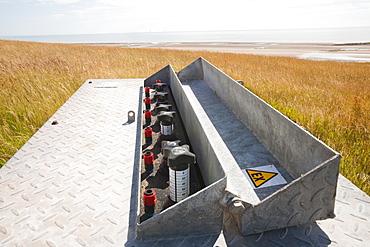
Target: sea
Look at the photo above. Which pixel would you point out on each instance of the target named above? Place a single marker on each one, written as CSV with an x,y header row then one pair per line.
x,y
317,35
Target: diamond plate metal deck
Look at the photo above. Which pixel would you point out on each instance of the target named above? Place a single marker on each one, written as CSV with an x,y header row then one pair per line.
x,y
350,227
70,184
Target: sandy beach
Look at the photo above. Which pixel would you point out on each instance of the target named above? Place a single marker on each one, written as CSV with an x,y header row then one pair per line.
x,y
324,51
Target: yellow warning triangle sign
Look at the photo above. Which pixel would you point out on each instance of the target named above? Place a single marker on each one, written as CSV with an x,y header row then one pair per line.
x,y
260,177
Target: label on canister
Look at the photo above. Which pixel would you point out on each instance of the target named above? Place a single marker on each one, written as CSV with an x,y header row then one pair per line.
x,y
179,184
166,130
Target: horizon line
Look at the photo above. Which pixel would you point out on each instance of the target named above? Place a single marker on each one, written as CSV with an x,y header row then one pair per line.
x,y
180,31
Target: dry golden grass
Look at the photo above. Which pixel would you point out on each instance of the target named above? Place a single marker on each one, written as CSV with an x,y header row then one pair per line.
x,y
329,99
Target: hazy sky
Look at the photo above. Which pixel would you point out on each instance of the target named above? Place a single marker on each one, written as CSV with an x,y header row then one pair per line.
x,y
50,17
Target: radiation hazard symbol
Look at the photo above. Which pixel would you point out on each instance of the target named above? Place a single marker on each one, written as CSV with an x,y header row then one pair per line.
x,y
260,177
264,176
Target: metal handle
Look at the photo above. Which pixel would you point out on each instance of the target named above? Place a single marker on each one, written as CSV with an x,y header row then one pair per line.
x,y
131,116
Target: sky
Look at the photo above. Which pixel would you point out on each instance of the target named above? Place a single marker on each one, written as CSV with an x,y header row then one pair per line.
x,y
60,17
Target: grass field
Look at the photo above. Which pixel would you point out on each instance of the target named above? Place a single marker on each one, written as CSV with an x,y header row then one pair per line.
x,y
329,99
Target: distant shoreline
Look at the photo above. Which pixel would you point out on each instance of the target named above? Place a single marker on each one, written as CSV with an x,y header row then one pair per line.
x,y
349,52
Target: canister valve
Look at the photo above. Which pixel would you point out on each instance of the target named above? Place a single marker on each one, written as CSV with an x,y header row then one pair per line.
x,y
161,96
163,107
159,87
167,146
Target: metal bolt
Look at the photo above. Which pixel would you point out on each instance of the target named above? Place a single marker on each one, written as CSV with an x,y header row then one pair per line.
x,y
236,207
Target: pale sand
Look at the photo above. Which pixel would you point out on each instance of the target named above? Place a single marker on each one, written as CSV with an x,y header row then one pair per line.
x,y
355,53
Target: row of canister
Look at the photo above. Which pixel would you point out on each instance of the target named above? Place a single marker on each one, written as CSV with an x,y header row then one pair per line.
x,y
176,159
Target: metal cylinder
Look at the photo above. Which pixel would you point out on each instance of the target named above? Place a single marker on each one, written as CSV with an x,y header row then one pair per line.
x,y
147,92
148,117
166,122
149,198
166,129
147,102
179,170
179,183
148,161
148,133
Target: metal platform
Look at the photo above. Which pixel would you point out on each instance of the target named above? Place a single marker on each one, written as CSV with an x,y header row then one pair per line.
x,y
76,183
71,183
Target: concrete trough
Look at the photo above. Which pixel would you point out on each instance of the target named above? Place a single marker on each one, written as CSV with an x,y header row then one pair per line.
x,y
277,174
